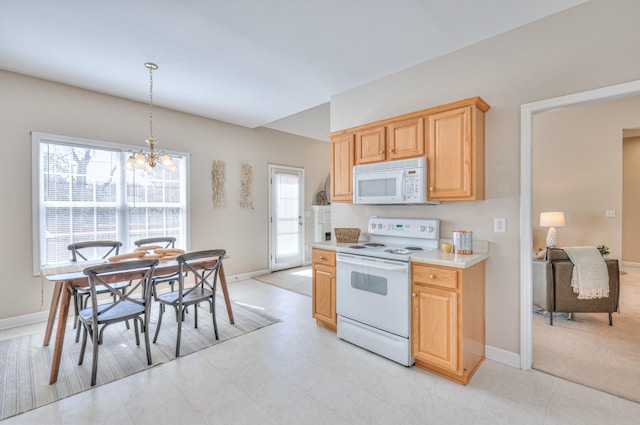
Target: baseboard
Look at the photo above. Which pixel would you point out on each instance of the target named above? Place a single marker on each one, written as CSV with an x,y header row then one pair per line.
x,y
629,264
502,356
245,276
25,319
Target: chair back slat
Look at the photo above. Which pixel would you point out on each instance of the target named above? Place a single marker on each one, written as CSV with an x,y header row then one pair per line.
x,y
204,278
102,275
168,241
93,250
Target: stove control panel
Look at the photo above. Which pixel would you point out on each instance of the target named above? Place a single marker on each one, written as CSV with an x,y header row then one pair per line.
x,y
423,228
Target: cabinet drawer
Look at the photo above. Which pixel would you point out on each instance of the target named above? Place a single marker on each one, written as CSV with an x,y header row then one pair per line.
x,y
435,276
321,256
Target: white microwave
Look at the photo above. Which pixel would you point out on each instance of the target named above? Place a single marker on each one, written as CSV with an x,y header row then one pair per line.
x,y
391,182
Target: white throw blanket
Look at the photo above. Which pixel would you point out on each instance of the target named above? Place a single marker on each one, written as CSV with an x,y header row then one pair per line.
x,y
590,278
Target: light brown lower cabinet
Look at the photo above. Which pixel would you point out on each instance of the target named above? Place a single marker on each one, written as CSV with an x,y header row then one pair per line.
x,y
448,319
324,288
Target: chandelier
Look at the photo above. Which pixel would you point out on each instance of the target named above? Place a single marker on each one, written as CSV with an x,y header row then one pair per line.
x,y
148,160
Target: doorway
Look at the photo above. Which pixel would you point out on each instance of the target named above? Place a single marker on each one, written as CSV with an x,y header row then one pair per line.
x,y
526,221
286,218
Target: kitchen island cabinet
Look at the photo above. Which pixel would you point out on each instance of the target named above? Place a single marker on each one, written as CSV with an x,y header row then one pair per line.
x,y
448,319
324,288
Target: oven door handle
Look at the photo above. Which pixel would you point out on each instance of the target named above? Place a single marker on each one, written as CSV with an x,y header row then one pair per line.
x,y
375,264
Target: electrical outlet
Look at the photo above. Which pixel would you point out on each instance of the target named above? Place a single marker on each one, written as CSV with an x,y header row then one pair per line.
x,y
610,213
500,225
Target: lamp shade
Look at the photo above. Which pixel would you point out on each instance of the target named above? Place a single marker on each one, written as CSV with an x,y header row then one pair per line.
x,y
552,219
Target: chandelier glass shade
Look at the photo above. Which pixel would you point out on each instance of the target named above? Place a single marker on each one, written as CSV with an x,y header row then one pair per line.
x,y
142,160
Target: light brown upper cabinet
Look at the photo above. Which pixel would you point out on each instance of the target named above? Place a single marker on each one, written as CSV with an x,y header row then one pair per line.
x,y
342,162
451,137
455,152
397,140
405,139
371,145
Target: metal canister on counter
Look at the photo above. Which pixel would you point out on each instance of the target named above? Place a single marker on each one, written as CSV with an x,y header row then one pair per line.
x,y
462,242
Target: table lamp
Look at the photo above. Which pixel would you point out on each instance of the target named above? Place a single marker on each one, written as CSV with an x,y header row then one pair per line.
x,y
552,220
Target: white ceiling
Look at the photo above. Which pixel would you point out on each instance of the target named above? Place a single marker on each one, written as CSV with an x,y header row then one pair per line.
x,y
244,62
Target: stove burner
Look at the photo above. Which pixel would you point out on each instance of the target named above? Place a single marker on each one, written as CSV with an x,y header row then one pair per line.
x,y
398,251
374,244
413,248
357,246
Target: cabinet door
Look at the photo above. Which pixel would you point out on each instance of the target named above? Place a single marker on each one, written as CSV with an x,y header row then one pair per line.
x,y
342,168
324,294
370,145
451,154
434,326
406,139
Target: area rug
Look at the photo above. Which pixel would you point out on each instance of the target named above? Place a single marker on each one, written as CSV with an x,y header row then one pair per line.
x,y
25,364
586,350
297,280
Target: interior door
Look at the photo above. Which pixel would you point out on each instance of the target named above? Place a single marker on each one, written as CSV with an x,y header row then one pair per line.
x,y
286,218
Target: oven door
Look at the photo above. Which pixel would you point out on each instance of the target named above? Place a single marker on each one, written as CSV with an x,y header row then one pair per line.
x,y
374,291
378,187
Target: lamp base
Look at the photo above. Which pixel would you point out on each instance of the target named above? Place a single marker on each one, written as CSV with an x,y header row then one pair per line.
x,y
552,238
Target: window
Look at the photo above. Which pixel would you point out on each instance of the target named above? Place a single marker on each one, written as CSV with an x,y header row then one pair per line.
x,y
82,192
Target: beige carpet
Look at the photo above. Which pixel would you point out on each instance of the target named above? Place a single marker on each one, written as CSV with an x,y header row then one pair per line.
x,y
297,280
25,364
586,350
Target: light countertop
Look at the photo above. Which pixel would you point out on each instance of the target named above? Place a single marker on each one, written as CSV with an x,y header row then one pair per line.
x,y
436,257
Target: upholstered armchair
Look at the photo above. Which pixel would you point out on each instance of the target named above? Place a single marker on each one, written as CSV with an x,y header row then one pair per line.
x,y
552,289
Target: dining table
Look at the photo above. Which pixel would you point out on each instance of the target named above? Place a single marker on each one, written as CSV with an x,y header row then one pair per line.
x,y
65,281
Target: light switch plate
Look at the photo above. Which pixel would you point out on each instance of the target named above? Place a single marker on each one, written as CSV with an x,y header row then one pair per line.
x,y
500,225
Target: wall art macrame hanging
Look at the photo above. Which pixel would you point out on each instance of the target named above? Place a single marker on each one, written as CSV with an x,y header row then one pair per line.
x,y
217,183
246,180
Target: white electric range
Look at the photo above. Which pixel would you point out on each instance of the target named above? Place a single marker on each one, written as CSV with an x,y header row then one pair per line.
x,y
373,285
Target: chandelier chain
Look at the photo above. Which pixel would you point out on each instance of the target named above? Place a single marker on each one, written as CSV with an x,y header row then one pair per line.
x,y
148,160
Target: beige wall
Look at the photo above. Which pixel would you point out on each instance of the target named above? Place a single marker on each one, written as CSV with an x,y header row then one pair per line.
x,y
631,199
577,168
583,48
29,104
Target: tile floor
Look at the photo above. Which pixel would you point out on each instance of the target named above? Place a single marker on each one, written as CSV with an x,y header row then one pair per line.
x,y
295,372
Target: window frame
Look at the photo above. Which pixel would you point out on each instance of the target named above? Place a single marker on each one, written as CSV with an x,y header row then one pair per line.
x,y
37,138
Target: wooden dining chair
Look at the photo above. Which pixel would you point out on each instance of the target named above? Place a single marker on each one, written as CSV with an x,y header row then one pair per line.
x,y
203,290
125,306
164,242
86,251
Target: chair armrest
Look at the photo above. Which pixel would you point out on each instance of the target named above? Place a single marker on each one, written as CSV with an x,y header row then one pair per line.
x,y
542,284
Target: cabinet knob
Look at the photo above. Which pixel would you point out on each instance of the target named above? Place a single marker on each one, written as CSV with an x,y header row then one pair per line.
x,y
350,193
322,258
431,188
331,277
391,150
381,152
432,276
414,295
